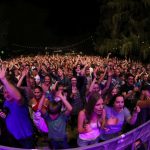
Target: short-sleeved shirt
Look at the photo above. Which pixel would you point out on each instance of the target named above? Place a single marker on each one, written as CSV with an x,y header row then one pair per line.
x,y
57,127
18,120
120,116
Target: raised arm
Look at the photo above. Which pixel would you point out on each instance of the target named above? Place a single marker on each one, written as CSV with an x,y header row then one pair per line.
x,y
81,122
103,75
10,88
23,74
77,60
108,82
92,85
133,118
42,103
66,103
54,86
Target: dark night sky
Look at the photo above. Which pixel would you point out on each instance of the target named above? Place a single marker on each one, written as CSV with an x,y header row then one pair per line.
x,y
47,22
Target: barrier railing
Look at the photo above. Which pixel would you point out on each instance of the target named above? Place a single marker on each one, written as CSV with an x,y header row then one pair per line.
x,y
127,141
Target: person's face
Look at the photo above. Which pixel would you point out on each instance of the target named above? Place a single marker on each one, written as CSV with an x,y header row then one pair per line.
x,y
47,80
37,93
7,96
34,72
114,92
60,72
122,78
87,71
73,81
130,80
143,69
138,70
61,88
78,69
147,93
96,88
117,72
98,109
43,67
133,69
145,78
32,82
70,74
119,103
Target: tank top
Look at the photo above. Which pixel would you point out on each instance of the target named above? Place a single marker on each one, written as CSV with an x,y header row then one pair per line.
x,y
92,135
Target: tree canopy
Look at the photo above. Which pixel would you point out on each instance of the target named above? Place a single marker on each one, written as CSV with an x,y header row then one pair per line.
x,y
124,28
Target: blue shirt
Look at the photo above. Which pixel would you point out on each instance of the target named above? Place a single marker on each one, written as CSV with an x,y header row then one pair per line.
x,y
57,127
18,120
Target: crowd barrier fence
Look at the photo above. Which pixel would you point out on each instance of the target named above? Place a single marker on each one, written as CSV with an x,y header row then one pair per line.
x,y
128,141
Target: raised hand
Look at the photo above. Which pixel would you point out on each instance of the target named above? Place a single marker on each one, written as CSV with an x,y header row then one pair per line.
x,y
24,72
2,115
59,94
136,89
2,72
137,109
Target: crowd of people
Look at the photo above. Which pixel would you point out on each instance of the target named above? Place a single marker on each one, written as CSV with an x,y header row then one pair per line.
x,y
97,98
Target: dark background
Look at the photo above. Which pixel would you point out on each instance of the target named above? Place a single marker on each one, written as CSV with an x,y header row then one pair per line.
x,y
51,23
116,26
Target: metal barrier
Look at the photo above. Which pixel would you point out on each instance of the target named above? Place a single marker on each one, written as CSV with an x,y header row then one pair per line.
x,y
126,141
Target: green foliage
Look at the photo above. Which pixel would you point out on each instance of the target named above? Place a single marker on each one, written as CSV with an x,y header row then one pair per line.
x,y
124,26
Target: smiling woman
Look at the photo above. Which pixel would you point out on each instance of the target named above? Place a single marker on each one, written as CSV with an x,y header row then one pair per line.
x,y
91,120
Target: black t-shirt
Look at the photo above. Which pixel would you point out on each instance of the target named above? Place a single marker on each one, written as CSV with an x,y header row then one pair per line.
x,y
130,102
